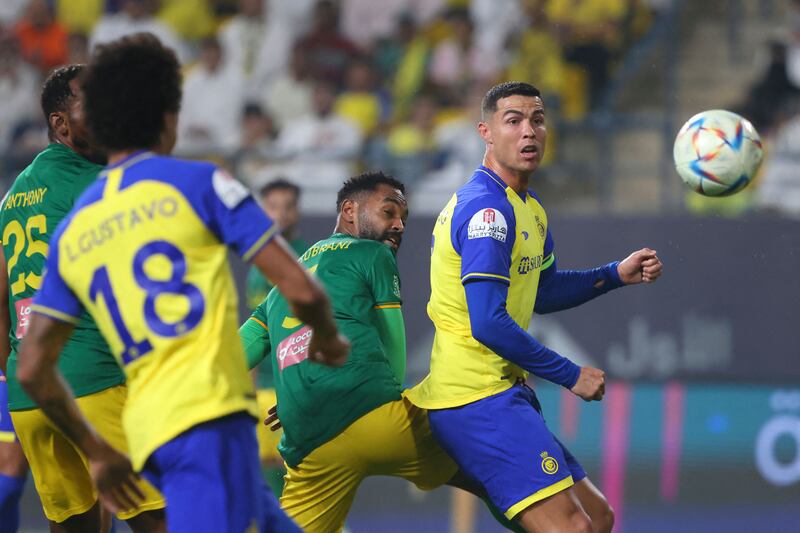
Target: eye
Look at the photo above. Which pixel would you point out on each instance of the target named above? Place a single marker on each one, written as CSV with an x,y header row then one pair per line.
x,y
513,121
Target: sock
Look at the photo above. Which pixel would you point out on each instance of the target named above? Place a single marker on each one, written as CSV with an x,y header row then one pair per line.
x,y
10,493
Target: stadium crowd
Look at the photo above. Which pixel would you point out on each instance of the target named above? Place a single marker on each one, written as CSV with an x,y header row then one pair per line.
x,y
314,90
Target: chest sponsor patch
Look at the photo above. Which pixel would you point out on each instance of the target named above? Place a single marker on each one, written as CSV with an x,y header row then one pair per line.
x,y
488,223
23,308
228,190
294,348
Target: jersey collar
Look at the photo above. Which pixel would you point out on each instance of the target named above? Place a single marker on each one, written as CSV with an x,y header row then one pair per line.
x,y
482,170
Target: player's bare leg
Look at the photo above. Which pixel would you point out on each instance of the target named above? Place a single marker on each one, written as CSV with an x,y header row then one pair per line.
x,y
463,508
560,513
148,522
595,505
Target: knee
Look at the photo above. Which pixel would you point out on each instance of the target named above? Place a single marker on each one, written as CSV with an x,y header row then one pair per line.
x,y
604,521
580,522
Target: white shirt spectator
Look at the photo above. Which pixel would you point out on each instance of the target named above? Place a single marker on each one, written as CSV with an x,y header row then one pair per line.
x,y
19,94
112,27
211,110
260,50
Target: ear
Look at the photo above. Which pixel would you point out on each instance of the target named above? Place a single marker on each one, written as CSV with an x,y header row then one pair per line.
x,y
349,211
485,132
59,123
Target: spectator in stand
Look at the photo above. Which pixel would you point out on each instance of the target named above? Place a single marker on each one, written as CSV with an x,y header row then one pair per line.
x,y
79,16
320,147
190,19
290,95
366,21
537,54
589,30
20,139
456,61
77,49
328,50
256,45
259,134
360,102
402,60
213,98
136,16
411,146
42,39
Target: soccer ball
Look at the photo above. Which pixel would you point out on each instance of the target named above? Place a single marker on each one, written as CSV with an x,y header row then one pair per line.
x,y
717,152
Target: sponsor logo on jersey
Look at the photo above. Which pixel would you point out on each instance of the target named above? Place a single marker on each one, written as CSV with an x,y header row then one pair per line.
x,y
23,308
488,223
549,464
229,191
526,264
294,348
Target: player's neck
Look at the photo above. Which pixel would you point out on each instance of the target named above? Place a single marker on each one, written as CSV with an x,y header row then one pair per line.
x,y
517,181
121,155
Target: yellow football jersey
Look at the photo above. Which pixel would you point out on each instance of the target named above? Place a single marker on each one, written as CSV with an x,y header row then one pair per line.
x,y
486,230
145,252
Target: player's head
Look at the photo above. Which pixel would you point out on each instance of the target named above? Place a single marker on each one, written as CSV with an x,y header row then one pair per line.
x,y
63,107
133,94
373,206
280,199
513,127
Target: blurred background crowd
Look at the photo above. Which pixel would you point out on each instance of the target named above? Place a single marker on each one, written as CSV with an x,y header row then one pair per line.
x,y
314,90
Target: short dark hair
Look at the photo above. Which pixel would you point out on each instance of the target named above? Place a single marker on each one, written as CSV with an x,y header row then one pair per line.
x,y
56,92
129,85
504,90
279,184
367,181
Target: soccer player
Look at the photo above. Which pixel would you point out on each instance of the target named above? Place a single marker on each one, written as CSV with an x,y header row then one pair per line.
x,y
144,252
492,264
343,424
280,199
39,199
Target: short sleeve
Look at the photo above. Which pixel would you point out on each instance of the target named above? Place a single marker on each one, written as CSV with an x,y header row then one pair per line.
x,y
238,219
483,234
384,279
549,255
55,299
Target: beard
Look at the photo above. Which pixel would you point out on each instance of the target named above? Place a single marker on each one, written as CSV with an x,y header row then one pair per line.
x,y
368,230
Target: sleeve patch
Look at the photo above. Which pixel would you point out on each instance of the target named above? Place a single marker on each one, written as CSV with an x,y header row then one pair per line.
x,y
488,223
230,192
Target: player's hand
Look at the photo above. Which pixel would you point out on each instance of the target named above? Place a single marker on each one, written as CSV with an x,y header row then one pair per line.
x,y
591,384
272,419
115,479
642,266
331,350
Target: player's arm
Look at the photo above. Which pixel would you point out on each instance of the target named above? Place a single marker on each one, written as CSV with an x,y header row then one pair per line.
x,y
564,289
5,317
485,266
383,279
55,313
244,226
307,299
254,334
392,330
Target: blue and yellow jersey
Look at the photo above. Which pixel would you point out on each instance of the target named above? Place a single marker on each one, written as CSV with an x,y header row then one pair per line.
x,y
488,231
144,251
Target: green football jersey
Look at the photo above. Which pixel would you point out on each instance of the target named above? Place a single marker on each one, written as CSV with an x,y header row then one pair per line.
x,y
316,402
257,289
40,197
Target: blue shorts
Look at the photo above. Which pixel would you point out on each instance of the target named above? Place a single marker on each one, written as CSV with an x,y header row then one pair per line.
x,y
7,433
502,443
211,479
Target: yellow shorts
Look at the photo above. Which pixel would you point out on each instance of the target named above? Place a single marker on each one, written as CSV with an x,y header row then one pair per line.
x,y
267,440
60,471
391,440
